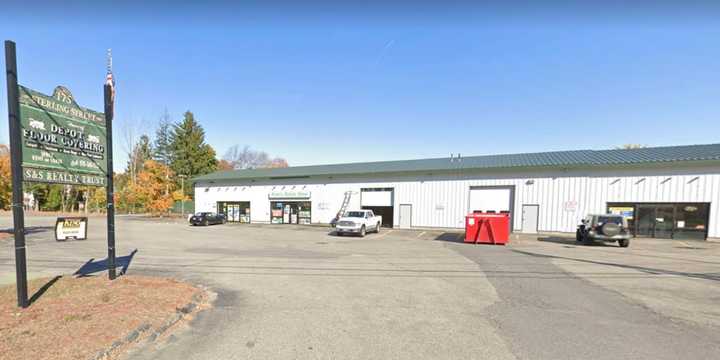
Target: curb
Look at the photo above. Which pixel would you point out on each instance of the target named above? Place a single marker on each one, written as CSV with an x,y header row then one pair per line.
x,y
154,334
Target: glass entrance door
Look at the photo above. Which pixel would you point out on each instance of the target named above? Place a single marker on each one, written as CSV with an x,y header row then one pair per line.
x,y
655,221
664,222
233,212
645,221
236,211
290,212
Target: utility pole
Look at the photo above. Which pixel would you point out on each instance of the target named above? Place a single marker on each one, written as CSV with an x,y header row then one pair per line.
x,y
16,168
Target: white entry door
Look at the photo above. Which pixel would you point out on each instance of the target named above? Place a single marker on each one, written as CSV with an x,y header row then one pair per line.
x,y
405,216
530,219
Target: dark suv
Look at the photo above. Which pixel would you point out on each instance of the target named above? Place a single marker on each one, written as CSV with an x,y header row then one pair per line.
x,y
606,228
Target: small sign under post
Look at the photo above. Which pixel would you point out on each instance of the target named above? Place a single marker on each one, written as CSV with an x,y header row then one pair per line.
x,y
74,228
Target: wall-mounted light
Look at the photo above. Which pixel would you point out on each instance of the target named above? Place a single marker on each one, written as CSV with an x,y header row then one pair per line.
x,y
694,180
640,181
615,181
666,180
530,182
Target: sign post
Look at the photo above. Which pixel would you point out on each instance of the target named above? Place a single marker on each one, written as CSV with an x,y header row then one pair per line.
x,y
109,92
16,168
55,140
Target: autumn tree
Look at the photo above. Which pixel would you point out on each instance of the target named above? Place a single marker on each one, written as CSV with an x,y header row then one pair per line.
x,y
96,200
224,165
631,146
5,178
191,156
149,189
278,163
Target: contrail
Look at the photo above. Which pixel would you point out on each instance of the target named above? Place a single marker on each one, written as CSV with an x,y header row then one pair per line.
x,y
385,49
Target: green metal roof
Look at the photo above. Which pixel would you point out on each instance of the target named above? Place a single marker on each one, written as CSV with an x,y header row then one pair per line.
x,y
575,158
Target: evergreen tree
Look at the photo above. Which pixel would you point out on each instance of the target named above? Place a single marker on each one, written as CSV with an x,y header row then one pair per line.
x,y
162,153
161,149
142,151
191,156
55,199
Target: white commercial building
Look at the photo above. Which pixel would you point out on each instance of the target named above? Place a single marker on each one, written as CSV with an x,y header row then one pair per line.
x,y
669,192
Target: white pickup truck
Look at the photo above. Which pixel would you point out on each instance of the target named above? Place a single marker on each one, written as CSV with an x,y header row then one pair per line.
x,y
358,222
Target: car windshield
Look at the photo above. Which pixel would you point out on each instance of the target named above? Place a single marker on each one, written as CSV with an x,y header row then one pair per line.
x,y
610,219
355,214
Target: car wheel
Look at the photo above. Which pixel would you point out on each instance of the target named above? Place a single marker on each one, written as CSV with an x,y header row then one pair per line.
x,y
362,231
624,243
578,235
206,223
338,233
586,239
377,228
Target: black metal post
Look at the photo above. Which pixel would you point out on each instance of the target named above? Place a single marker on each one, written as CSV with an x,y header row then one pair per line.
x,y
109,181
16,168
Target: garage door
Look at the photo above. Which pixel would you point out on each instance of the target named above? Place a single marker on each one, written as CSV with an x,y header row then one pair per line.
x,y
372,197
380,201
490,199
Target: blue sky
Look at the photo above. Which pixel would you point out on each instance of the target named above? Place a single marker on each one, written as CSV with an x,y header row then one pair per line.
x,y
327,84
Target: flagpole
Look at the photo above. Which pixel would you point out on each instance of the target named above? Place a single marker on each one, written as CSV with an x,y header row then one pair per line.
x,y
109,92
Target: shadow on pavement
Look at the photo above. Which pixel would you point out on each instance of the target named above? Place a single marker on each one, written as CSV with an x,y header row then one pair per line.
x,y
91,267
451,237
653,271
28,230
571,241
43,289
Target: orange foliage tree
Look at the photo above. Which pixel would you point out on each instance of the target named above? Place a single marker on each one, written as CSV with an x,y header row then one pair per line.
x,y
278,163
224,165
5,178
149,190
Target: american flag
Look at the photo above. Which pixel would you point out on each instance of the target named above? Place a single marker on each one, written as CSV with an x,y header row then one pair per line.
x,y
110,88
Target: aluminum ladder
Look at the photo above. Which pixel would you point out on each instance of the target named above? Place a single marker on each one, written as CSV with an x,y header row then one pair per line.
x,y
343,207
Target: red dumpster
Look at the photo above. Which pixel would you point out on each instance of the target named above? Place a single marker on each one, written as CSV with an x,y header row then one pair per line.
x,y
487,228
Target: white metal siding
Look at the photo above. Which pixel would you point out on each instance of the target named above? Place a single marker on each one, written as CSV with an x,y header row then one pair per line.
x,y
564,197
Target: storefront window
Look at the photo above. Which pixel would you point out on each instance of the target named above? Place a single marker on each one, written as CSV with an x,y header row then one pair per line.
x,y
691,221
235,211
669,220
627,211
290,212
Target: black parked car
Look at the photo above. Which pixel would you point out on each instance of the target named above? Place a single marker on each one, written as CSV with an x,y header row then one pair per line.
x,y
207,218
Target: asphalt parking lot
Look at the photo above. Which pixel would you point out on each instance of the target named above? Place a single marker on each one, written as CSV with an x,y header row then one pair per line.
x,y
295,292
